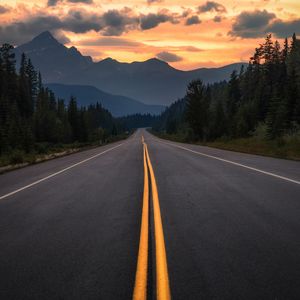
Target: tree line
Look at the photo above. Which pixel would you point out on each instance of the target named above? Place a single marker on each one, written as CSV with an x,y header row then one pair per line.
x,y
30,114
265,94
134,121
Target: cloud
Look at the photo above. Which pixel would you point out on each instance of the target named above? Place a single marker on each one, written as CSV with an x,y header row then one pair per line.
x,y
117,22
4,9
81,21
186,12
212,6
192,20
81,1
153,1
284,29
75,21
168,57
111,42
217,19
110,23
55,2
191,49
20,32
61,37
153,20
251,24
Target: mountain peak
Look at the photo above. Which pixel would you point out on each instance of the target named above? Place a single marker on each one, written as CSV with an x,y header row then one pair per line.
x,y
109,59
44,35
45,38
155,60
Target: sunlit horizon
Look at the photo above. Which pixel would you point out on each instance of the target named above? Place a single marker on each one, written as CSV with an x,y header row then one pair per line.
x,y
186,34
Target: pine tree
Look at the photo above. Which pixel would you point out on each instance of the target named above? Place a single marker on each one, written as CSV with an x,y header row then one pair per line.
x,y
293,70
218,121
233,101
276,118
73,119
24,98
285,51
33,82
197,108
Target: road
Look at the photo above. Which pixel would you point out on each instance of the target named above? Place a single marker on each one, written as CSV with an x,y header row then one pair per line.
x,y
70,227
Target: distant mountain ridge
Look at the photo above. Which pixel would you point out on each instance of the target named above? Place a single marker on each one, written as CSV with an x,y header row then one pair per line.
x,y
53,59
152,81
116,104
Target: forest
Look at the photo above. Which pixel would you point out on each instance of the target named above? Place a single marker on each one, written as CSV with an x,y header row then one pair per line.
x,y
262,101
32,120
258,103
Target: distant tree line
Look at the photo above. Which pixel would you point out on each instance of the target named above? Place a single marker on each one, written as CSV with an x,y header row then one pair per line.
x,y
266,94
134,121
30,113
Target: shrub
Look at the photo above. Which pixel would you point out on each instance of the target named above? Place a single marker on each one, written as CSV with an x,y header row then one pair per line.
x,y
16,157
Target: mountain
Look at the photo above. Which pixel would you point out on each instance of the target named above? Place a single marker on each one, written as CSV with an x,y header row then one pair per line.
x,y
53,59
152,81
117,105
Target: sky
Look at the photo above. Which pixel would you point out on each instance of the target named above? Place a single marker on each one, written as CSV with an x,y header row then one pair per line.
x,y
187,34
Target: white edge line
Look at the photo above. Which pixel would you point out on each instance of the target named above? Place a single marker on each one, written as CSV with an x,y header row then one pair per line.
x,y
57,173
235,163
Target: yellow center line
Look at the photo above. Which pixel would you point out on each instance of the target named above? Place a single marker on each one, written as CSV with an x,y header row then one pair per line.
x,y
140,287
162,277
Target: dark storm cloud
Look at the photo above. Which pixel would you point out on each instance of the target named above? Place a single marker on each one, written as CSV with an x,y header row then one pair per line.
x,y
168,57
251,24
212,6
192,20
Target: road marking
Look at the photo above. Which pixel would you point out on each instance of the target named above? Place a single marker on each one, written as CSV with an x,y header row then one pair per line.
x,y
162,277
235,163
57,173
140,286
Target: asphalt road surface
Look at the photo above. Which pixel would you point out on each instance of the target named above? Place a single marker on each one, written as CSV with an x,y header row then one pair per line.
x,y
70,227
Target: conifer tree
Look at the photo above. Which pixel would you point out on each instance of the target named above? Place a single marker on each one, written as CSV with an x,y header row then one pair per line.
x,y
197,108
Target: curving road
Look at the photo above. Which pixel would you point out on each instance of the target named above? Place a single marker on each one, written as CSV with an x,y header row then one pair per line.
x,y
70,227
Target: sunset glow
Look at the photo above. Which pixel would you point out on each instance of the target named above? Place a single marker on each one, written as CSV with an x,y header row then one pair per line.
x,y
187,34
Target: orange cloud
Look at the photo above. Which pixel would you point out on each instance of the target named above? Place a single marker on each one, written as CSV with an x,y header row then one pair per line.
x,y
197,33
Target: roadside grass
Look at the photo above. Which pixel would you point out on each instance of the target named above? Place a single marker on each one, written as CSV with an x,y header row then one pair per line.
x,y
282,148
286,147
45,151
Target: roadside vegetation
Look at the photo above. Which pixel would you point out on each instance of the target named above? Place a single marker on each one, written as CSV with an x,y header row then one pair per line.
x,y
257,111
35,125
45,151
286,147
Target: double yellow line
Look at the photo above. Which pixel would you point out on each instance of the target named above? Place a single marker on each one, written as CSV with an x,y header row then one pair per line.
x,y
162,277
